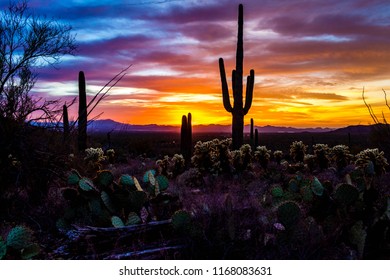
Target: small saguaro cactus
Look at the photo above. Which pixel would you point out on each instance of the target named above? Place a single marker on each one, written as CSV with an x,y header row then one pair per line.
x,y
238,110
82,119
186,137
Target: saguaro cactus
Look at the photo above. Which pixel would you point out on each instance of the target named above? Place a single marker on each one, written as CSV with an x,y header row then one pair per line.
x,y
186,137
82,121
66,122
238,111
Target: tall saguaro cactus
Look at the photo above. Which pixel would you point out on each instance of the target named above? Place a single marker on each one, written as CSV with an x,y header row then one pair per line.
x,y
238,110
82,121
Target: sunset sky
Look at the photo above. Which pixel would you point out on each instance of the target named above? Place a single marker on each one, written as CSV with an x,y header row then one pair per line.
x,y
311,58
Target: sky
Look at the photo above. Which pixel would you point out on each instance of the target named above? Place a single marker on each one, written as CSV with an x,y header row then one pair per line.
x,y
312,58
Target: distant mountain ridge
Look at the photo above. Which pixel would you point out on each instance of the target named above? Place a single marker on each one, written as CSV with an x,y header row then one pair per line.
x,y
109,125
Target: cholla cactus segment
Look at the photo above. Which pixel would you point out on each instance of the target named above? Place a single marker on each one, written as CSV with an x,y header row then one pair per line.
x,y
117,222
298,150
107,201
133,219
288,213
148,176
74,177
20,237
3,248
372,159
163,182
126,181
181,220
317,187
86,185
105,178
346,194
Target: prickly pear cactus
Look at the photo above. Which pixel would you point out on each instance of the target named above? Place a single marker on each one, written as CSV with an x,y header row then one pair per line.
x,y
107,201
104,178
126,181
149,176
86,185
73,177
307,194
181,220
117,222
317,187
137,200
163,182
3,248
357,236
133,219
20,237
346,194
288,213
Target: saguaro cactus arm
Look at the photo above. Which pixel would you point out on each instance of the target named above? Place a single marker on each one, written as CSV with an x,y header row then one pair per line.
x,y
225,88
249,91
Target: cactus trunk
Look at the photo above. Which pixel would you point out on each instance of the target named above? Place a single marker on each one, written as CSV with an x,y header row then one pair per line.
x,y
186,138
238,110
252,135
82,120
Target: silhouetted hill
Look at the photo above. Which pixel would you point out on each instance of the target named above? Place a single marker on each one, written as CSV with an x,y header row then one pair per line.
x,y
355,129
111,125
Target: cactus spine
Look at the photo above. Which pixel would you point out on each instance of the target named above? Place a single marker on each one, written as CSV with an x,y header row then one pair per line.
x,y
186,137
82,120
238,111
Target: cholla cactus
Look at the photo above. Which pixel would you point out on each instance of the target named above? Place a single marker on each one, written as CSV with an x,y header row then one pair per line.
x,y
372,157
212,156
241,158
298,150
163,166
321,151
262,155
341,156
110,155
278,156
177,164
310,160
94,157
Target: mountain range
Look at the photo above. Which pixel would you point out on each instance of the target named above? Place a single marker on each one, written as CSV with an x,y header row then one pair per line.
x,y
108,125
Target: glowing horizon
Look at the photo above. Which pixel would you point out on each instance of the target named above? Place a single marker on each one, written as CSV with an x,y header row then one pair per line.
x,y
311,59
